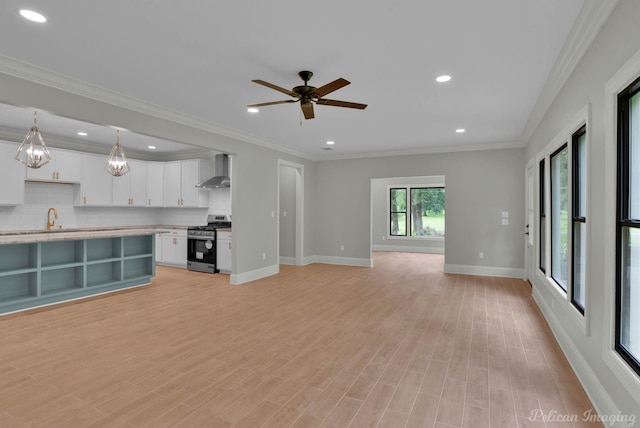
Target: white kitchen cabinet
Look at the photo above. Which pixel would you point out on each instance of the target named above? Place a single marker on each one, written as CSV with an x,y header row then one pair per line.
x,y
11,176
96,186
155,183
131,188
174,248
65,166
223,251
180,180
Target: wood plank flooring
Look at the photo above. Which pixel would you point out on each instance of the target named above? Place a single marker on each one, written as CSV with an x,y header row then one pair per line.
x,y
397,345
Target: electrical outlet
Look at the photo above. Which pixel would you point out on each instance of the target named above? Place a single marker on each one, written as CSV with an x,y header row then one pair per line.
x,y
341,247
264,256
481,255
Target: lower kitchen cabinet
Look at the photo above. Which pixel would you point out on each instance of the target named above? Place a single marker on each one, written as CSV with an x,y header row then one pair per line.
x,y
173,248
39,273
223,251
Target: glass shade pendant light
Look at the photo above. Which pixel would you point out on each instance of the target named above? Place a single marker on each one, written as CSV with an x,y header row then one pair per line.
x,y
33,152
117,164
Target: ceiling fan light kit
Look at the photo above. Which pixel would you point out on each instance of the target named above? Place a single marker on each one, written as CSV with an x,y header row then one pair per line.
x,y
309,95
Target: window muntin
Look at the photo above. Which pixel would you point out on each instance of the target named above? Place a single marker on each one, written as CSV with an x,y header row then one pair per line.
x,y
398,211
559,169
417,212
627,341
579,208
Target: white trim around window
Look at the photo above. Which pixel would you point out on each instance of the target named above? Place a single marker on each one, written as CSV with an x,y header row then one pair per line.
x,y
561,299
627,74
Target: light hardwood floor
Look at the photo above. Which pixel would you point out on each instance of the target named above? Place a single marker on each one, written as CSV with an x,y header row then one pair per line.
x,y
397,345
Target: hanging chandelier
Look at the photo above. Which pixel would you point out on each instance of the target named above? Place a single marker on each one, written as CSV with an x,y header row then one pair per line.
x,y
117,165
33,152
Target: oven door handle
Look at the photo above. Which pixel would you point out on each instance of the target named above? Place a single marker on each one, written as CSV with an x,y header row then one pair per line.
x,y
202,238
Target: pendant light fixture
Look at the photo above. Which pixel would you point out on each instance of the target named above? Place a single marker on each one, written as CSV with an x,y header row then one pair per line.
x,y
117,164
33,152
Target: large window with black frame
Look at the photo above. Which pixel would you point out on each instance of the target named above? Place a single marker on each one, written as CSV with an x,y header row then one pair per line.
x,y
417,212
579,217
542,254
627,340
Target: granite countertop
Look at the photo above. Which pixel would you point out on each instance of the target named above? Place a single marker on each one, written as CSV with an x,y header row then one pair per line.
x,y
25,236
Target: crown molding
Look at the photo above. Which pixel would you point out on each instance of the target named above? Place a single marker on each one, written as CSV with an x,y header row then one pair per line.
x,y
592,17
32,73
424,151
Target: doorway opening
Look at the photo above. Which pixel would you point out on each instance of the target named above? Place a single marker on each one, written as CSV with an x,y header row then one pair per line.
x,y
290,212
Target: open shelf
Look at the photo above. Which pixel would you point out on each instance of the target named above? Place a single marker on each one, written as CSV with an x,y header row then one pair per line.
x,y
138,267
103,273
18,256
138,245
103,248
62,253
19,285
56,280
33,274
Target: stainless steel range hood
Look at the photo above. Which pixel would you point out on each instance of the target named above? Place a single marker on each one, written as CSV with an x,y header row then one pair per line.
x,y
221,179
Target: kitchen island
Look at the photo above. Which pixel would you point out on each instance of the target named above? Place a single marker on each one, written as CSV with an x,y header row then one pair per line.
x,y
41,268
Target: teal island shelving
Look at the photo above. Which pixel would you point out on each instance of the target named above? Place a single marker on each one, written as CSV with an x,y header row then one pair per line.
x,y
62,268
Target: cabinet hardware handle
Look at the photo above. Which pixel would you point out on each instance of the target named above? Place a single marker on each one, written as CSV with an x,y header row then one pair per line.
x,y
84,200
229,245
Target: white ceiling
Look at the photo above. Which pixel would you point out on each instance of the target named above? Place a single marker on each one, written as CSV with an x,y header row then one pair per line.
x,y
198,58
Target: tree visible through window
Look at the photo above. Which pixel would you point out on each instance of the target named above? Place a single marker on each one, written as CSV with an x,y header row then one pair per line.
x,y
425,214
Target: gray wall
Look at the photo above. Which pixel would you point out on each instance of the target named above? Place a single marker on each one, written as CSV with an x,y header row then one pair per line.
x,y
586,342
480,186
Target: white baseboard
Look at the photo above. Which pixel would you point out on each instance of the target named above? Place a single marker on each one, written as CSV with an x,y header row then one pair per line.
x,y
405,249
484,271
602,402
345,261
241,278
287,260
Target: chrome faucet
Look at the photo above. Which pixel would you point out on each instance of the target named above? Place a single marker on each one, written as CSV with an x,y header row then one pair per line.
x,y
51,223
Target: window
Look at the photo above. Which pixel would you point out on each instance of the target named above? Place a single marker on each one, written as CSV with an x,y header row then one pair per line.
x,y
560,216
398,212
543,221
579,208
627,340
417,211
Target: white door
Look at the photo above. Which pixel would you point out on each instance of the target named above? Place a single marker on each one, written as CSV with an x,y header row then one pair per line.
x,y
529,251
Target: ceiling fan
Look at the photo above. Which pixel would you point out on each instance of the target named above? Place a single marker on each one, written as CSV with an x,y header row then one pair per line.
x,y
308,95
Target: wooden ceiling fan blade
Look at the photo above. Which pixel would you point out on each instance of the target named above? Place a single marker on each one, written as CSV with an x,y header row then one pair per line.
x,y
276,87
271,103
307,110
338,103
330,87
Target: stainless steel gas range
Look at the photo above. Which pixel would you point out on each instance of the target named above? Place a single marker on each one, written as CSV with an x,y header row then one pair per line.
x,y
201,243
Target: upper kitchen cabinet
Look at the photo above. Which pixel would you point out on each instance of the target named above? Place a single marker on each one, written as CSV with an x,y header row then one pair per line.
x,y
130,190
155,183
180,180
65,166
11,175
96,188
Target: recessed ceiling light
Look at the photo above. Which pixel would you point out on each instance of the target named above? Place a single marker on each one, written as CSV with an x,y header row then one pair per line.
x,y
460,130
151,147
82,134
32,16
252,110
331,143
443,78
